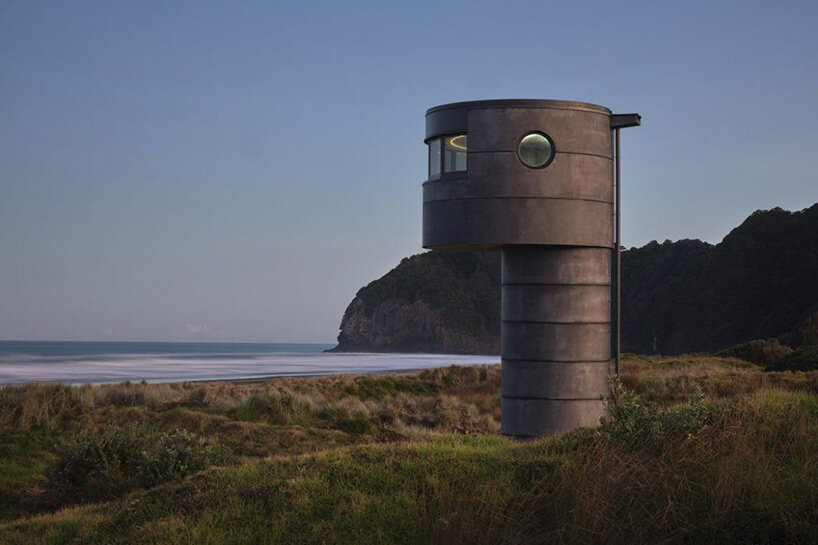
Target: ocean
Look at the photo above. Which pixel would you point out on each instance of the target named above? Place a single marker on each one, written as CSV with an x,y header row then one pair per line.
x,y
111,362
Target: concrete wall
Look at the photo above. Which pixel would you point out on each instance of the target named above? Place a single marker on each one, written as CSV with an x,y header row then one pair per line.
x,y
554,226
556,307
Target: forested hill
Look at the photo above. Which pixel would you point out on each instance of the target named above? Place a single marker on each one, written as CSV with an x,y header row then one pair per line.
x,y
686,296
760,281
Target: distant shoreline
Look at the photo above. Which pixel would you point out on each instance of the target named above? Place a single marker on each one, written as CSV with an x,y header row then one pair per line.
x,y
112,363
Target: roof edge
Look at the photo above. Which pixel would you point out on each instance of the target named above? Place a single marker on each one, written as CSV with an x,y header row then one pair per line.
x,y
522,103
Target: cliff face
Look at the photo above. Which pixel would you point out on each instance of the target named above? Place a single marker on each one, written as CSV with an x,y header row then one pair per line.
x,y
760,281
447,302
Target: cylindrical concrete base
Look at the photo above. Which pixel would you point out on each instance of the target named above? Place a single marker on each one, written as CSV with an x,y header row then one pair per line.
x,y
556,303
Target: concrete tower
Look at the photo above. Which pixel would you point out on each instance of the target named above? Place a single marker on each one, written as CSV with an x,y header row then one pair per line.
x,y
534,179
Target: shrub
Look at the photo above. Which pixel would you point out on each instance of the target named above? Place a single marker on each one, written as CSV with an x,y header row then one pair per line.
x,y
763,352
802,359
108,455
175,455
638,423
123,458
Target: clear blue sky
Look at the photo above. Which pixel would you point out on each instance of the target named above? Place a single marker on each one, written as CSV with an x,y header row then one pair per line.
x,y
237,170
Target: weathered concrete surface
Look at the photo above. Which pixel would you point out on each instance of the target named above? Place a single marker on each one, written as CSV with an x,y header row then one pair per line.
x,y
555,338
525,418
555,228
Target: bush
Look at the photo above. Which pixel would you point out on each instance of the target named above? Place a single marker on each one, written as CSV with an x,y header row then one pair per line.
x,y
175,455
763,352
109,455
123,458
802,359
638,423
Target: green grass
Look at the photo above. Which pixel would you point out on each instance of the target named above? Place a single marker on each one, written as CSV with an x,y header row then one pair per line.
x,y
24,458
424,463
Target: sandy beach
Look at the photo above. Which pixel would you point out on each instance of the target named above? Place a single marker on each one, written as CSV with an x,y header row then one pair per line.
x,y
105,363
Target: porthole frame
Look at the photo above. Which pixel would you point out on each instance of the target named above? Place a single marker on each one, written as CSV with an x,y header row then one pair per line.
x,y
550,141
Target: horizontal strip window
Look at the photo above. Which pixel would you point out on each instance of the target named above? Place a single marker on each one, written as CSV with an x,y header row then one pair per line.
x,y
448,155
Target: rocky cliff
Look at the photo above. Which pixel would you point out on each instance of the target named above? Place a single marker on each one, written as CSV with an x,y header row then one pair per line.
x,y
441,302
760,281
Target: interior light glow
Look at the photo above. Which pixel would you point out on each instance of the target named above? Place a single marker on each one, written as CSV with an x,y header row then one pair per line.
x,y
458,142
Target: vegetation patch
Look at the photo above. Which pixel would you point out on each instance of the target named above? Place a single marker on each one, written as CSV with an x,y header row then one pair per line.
x,y
698,450
272,408
644,424
764,352
597,486
381,387
801,359
124,458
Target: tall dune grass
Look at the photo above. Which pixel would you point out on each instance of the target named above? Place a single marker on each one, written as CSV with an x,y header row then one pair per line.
x,y
746,474
699,450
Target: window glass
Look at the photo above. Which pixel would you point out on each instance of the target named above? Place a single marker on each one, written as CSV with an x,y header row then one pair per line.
x,y
535,150
434,159
454,153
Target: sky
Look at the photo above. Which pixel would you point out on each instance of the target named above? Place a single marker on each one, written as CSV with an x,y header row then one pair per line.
x,y
236,171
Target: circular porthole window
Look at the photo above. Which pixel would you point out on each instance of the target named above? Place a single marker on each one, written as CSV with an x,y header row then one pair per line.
x,y
536,150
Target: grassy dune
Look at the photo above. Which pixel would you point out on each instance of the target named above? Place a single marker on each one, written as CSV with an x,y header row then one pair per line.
x,y
699,450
